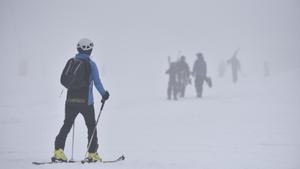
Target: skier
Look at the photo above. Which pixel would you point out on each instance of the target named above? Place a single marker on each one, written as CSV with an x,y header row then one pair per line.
x,y
80,100
183,75
235,66
199,72
173,77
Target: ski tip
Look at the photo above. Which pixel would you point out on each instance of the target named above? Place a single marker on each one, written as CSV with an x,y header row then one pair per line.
x,y
41,163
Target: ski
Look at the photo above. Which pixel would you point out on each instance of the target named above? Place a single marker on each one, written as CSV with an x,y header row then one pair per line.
x,y
106,161
48,162
121,158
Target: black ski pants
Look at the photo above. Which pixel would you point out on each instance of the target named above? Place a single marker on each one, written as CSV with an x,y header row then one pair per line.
x,y
234,76
71,111
199,85
172,89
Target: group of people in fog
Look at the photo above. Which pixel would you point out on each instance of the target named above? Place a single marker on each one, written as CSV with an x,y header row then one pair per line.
x,y
180,76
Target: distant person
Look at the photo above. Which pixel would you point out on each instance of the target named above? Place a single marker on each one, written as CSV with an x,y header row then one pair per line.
x,y
183,75
235,66
79,75
173,81
199,72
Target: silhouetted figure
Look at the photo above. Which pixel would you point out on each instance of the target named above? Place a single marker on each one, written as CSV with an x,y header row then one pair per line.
x,y
183,75
235,66
172,84
199,72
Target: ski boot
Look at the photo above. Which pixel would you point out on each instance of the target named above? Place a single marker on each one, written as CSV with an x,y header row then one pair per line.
x,y
94,157
59,155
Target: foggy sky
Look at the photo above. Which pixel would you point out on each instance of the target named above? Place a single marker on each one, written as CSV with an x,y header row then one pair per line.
x,y
128,34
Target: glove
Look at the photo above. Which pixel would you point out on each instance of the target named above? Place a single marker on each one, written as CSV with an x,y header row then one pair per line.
x,y
105,97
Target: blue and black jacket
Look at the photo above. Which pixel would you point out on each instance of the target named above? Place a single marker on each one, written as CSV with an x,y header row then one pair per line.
x,y
94,79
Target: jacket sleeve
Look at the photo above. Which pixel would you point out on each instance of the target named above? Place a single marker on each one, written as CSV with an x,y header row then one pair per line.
x,y
96,78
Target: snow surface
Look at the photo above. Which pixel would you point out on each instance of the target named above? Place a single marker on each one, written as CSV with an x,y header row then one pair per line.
x,y
254,124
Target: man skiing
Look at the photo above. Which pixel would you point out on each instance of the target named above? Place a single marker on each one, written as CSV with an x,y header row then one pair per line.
x,y
199,72
183,75
80,99
235,66
172,84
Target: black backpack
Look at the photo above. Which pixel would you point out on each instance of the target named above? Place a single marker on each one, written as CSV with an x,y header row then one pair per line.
x,y
75,74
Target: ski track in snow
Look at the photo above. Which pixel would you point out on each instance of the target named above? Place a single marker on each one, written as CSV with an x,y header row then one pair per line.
x,y
249,125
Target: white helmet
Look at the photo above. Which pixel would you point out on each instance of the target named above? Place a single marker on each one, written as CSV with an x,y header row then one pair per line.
x,y
85,44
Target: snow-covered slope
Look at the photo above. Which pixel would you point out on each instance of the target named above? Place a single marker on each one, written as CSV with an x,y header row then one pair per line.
x,y
250,125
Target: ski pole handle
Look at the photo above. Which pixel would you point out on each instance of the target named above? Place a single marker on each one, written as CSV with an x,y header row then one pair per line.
x,y
103,102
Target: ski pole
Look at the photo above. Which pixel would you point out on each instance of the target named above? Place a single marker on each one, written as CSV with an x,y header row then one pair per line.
x,y
62,90
89,145
73,135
